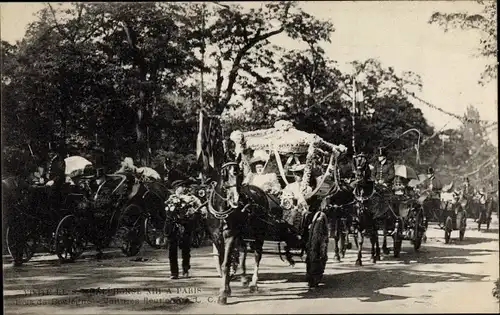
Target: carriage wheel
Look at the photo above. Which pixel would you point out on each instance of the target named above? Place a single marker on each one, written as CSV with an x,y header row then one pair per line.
x,y
30,245
69,239
419,225
448,227
131,232
317,250
154,237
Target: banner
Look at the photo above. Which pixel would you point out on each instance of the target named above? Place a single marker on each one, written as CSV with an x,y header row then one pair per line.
x,y
209,144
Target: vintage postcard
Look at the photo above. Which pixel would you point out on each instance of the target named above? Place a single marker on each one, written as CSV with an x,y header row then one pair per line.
x,y
250,157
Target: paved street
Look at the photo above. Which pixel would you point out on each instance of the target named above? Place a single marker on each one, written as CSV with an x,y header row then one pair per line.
x,y
456,277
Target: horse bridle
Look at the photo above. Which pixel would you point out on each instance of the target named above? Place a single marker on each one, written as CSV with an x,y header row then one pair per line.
x,y
223,214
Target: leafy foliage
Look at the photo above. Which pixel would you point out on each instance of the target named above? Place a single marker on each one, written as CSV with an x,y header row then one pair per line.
x,y
485,23
126,77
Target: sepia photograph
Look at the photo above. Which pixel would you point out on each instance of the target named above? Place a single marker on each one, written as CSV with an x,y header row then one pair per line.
x,y
250,157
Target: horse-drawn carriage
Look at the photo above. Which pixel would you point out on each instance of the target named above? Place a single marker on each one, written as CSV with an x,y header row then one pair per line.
x,y
33,219
453,215
34,210
292,215
113,213
361,207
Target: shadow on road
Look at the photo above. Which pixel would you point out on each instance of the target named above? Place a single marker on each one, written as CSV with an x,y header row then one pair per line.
x,y
490,231
476,240
366,282
106,283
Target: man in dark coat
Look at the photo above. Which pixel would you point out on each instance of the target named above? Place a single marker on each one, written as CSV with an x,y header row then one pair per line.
x,y
383,172
182,226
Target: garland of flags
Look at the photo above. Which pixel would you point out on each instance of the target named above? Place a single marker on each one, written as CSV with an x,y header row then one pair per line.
x,y
461,118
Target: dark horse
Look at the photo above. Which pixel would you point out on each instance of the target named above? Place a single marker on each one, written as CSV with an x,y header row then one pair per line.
x,y
237,211
367,203
14,192
226,220
340,204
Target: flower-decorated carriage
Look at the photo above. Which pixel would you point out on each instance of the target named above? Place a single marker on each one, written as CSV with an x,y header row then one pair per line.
x,y
288,189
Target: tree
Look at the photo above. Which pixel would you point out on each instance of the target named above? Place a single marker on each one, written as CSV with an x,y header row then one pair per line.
x,y
485,23
239,41
96,71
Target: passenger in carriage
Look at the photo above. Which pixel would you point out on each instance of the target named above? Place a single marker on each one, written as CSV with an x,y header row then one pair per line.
x,y
37,177
295,189
268,182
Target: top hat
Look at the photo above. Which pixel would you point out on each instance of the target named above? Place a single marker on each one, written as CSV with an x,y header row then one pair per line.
x,y
382,151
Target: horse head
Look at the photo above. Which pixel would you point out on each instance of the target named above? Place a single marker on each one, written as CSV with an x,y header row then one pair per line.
x,y
361,168
225,194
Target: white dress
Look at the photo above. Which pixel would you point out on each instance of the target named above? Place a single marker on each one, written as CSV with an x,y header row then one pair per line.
x,y
267,182
297,192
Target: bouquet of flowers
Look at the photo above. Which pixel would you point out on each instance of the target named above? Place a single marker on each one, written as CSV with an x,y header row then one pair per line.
x,y
182,206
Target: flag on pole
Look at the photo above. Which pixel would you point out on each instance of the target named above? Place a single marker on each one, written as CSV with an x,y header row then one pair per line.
x,y
209,146
359,97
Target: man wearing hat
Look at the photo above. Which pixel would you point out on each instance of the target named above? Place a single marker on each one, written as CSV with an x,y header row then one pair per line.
x,y
383,172
182,238
361,167
267,182
483,215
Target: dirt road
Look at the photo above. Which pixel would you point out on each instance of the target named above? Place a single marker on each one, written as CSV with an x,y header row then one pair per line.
x,y
456,277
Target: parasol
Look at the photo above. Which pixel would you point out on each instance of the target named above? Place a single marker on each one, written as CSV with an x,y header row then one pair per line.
x,y
414,183
405,172
422,177
75,165
148,172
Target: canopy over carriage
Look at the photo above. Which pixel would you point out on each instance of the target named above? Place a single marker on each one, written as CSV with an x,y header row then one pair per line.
x,y
284,141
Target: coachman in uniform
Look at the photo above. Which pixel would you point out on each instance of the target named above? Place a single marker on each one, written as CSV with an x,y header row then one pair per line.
x,y
383,172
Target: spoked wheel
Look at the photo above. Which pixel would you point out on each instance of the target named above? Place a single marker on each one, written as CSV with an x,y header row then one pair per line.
x,y
448,227
419,231
154,237
131,231
317,249
69,239
23,255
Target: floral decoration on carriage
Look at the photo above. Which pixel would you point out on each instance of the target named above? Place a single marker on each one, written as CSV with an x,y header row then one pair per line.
x,y
282,156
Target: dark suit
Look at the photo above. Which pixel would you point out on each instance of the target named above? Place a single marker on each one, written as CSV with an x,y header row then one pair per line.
x,y
384,172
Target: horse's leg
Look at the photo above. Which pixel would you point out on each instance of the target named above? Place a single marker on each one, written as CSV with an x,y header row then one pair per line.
x,y
344,240
335,228
375,236
360,247
258,256
225,289
217,258
374,243
244,277
384,243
